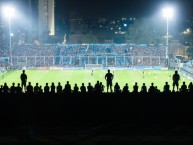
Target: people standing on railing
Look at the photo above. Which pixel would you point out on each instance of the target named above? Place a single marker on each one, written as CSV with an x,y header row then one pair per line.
x,y
176,78
23,78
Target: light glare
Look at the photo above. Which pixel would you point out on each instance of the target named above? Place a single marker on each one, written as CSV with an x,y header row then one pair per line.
x,y
9,11
168,12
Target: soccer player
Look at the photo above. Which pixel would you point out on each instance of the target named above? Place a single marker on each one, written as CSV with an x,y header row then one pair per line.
x,y
143,74
109,78
92,73
2,74
23,78
176,78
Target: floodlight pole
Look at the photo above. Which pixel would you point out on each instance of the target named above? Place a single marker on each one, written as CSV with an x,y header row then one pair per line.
x,y
10,41
167,42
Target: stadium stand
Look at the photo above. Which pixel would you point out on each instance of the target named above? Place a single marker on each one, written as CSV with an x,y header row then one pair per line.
x,y
79,55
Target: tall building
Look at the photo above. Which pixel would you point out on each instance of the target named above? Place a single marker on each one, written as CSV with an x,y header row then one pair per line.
x,y
33,20
46,18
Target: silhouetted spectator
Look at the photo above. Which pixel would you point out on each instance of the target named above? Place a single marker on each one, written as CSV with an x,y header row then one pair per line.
x,y
152,88
53,88
83,88
41,90
36,88
5,89
190,87
117,88
102,87
90,88
76,89
12,89
67,88
144,88
109,79
29,88
18,89
59,88
125,89
166,88
97,87
176,78
1,89
46,89
183,88
135,88
23,78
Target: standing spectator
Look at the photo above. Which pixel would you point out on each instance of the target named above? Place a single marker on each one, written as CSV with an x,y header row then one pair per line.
x,y
59,88
176,78
83,89
109,79
90,88
53,88
190,87
126,89
18,89
184,88
166,88
76,89
144,88
97,87
67,88
135,88
36,88
12,89
152,88
117,88
23,78
46,89
29,88
5,89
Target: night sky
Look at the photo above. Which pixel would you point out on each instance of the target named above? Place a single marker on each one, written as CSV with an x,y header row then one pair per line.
x,y
119,8
116,8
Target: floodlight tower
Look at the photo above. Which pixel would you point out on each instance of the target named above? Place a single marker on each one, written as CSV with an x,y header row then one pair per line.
x,y
168,14
9,13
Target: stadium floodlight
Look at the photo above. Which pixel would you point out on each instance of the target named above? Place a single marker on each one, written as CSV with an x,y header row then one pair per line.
x,y
9,13
168,14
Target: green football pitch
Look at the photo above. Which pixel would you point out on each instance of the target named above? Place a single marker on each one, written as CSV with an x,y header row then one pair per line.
x,y
84,76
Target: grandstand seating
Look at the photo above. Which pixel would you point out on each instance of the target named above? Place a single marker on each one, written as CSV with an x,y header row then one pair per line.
x,y
78,55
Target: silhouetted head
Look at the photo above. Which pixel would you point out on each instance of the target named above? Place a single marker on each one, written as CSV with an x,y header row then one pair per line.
x,y
136,83
108,70
18,84
143,84
152,84
52,83
5,84
97,82
89,84
67,82
184,83
46,84
82,84
176,72
126,84
23,71
116,83
13,84
59,83
29,83
166,83
75,84
36,84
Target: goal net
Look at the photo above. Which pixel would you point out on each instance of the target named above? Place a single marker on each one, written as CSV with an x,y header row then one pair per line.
x,y
93,66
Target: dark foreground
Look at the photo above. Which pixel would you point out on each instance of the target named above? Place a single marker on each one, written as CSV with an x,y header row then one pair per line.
x,y
158,119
